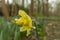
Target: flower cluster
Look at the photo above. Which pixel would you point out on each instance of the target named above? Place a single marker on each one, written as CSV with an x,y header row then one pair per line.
x,y
25,21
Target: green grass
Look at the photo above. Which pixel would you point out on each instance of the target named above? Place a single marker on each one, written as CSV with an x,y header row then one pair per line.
x,y
10,31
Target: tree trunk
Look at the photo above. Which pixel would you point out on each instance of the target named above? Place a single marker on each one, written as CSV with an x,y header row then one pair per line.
x,y
14,9
45,7
31,7
38,6
23,3
5,10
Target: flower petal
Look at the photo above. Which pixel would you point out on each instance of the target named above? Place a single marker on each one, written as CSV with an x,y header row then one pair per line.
x,y
28,32
22,29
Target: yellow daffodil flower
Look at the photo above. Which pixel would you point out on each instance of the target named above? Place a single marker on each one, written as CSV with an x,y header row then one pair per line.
x,y
25,21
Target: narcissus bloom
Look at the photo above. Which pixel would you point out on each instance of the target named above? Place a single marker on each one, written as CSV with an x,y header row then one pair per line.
x,y
25,21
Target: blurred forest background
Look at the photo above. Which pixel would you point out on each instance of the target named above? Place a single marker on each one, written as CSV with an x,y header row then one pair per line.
x,y
32,7
45,15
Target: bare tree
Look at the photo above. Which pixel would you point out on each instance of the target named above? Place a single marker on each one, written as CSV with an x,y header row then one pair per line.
x,y
31,7
57,8
45,7
23,3
5,10
14,8
38,6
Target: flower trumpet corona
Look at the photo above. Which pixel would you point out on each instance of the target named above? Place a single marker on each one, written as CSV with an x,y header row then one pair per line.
x,y
25,21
